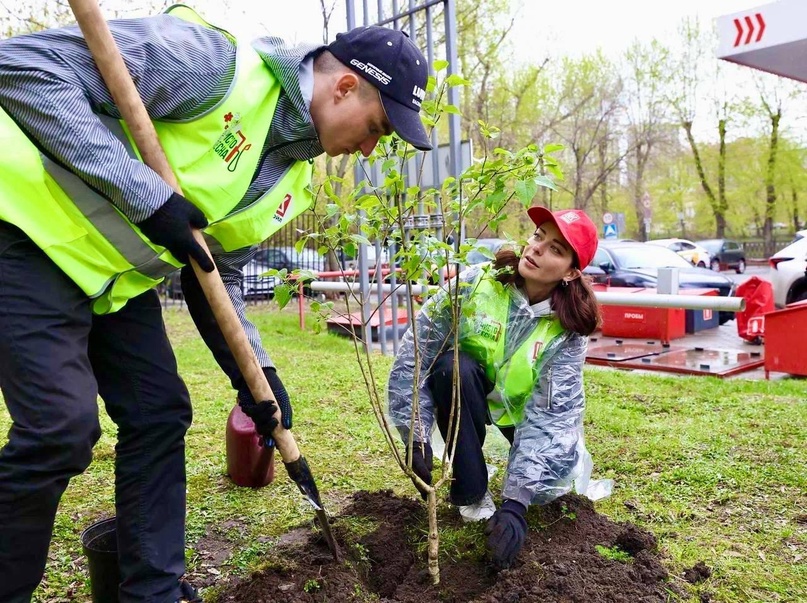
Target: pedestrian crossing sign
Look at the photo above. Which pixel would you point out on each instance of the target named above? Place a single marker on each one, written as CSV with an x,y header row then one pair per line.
x,y
610,231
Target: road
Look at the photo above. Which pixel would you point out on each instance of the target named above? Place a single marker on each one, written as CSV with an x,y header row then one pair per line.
x,y
760,271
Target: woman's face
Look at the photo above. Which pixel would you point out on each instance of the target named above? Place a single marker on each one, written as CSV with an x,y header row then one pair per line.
x,y
548,258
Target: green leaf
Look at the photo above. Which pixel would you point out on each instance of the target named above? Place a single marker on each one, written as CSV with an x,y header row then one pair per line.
x,y
553,147
282,294
525,191
440,64
544,181
555,171
456,80
451,109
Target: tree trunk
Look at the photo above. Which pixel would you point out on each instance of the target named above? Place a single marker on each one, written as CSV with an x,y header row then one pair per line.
x,y
722,204
720,220
770,185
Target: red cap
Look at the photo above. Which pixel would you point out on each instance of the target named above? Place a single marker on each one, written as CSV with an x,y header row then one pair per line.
x,y
575,226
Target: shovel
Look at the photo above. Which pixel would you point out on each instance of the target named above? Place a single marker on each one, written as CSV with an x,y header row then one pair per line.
x,y
119,82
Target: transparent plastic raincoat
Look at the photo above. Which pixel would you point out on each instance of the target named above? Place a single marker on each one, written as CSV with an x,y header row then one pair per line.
x,y
548,453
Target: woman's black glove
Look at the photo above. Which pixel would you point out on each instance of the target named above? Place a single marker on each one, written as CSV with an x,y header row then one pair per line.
x,y
281,395
171,226
506,531
422,464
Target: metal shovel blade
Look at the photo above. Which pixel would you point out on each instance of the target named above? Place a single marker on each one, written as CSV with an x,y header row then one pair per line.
x,y
300,474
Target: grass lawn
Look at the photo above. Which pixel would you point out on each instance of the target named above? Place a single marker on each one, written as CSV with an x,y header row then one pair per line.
x,y
715,469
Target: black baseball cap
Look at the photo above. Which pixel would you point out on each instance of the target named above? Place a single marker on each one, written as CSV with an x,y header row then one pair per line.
x,y
391,62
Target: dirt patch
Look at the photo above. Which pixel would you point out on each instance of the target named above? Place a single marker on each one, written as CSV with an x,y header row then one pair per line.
x,y
697,573
385,560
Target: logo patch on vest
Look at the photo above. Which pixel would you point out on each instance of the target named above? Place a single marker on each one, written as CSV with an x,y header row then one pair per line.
x,y
282,208
490,329
232,142
536,350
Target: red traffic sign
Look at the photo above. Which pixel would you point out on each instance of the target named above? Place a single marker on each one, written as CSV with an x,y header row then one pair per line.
x,y
746,27
607,218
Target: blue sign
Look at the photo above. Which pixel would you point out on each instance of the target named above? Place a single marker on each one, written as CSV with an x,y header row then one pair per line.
x,y
610,231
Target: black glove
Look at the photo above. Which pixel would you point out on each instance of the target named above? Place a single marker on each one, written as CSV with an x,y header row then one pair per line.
x,y
262,414
281,395
422,464
170,226
506,531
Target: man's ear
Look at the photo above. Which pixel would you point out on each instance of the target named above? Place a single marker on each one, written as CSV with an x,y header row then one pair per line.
x,y
345,84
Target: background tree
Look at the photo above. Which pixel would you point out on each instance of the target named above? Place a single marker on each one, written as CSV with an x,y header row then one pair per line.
x,y
689,71
590,90
646,114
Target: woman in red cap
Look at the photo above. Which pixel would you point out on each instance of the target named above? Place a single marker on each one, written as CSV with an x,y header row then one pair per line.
x,y
523,334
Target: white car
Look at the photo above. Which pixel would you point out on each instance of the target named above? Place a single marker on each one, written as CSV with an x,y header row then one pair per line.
x,y
691,252
788,273
255,284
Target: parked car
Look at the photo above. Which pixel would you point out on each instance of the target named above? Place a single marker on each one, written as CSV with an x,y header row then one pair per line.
x,y
726,254
788,273
254,284
694,254
290,259
279,258
800,234
626,264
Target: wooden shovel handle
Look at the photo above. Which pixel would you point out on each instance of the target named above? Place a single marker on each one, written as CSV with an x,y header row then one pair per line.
x,y
119,82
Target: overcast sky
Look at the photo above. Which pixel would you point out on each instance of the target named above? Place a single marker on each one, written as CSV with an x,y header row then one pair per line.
x,y
567,27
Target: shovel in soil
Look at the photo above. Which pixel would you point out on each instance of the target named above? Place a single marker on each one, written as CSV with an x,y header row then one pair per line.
x,y
116,76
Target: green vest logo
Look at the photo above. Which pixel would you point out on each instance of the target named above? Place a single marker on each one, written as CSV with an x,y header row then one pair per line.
x,y
232,143
490,329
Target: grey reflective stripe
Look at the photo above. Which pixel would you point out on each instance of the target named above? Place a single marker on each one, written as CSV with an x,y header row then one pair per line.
x,y
213,244
109,222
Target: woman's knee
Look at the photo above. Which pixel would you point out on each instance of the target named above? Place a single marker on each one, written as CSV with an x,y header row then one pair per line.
x,y
444,365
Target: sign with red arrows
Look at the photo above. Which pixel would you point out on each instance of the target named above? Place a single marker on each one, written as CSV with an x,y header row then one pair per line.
x,y
746,28
771,38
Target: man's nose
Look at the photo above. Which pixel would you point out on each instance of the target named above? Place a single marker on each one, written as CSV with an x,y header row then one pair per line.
x,y
368,145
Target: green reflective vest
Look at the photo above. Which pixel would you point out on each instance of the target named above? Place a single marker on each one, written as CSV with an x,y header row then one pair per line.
x,y
483,337
214,157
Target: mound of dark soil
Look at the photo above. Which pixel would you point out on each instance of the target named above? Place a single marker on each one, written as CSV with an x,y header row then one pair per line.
x,y
572,555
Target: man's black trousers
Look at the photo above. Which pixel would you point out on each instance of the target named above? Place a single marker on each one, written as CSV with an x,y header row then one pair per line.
x,y
56,357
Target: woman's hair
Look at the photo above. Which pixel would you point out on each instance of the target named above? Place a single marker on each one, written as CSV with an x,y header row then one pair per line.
x,y
575,305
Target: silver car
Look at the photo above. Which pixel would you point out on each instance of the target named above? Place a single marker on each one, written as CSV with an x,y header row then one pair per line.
x,y
788,273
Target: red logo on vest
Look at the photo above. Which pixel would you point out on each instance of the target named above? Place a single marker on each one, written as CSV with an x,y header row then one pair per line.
x,y
281,210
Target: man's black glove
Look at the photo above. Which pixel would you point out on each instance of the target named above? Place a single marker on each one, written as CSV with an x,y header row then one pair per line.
x,y
422,464
282,397
262,414
506,531
170,226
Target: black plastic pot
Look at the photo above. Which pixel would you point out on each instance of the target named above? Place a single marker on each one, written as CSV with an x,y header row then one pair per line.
x,y
100,545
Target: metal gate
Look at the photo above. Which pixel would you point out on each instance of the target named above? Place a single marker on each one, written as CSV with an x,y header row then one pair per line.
x,y
422,21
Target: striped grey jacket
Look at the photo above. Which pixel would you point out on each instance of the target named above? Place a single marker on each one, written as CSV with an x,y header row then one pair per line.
x,y
50,86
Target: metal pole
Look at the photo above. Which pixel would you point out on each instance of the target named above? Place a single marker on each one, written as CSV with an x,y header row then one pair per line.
x,y
636,300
